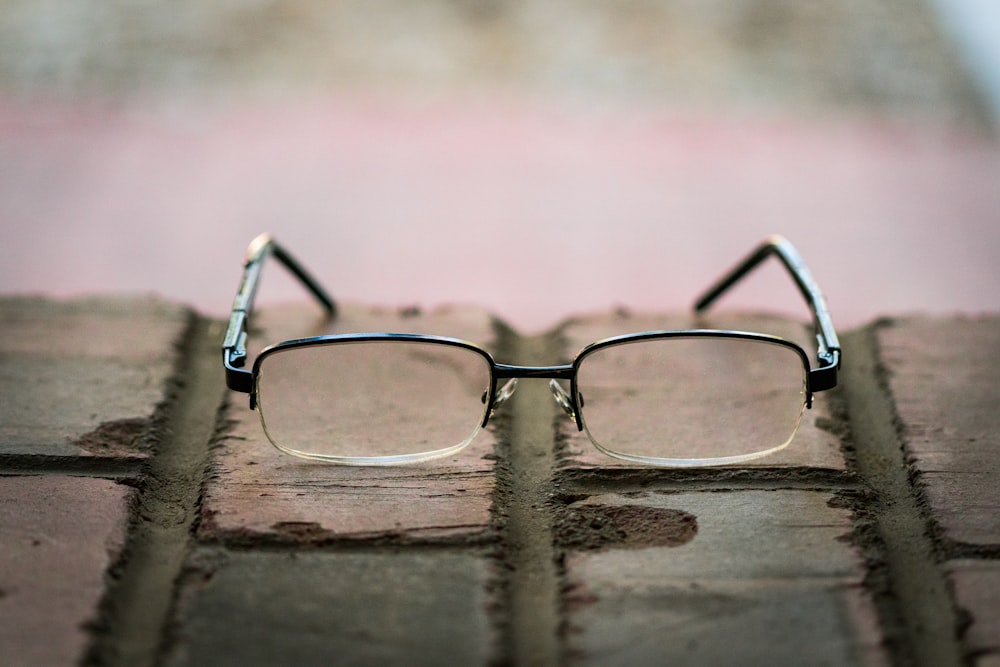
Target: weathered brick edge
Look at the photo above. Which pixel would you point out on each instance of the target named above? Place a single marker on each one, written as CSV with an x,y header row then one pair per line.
x,y
943,376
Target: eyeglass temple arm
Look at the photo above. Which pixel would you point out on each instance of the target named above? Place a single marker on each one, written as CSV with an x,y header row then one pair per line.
x,y
234,351
824,377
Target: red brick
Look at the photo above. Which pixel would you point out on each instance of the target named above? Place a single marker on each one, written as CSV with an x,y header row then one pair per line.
x,y
977,592
84,377
413,607
60,535
813,446
764,577
256,489
943,375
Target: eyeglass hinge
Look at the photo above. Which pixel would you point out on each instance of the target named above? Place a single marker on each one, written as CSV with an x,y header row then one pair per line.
x,y
234,354
824,377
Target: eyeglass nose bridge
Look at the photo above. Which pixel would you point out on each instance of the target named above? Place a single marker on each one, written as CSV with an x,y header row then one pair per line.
x,y
551,373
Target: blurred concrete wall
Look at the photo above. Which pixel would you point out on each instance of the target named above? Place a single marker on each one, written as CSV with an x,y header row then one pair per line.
x,y
889,57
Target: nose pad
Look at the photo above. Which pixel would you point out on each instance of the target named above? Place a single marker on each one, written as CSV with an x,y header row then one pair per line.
x,y
505,392
563,398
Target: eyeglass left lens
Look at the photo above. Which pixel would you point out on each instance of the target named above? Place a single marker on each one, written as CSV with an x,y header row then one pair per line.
x,y
373,402
687,401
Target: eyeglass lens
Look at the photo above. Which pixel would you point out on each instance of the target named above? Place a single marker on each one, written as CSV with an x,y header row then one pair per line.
x,y
372,399
647,400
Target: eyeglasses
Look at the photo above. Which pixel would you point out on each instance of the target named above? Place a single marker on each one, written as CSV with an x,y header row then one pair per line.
x,y
640,397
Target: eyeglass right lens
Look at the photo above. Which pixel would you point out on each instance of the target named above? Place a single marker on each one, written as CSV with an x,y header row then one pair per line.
x,y
372,403
678,401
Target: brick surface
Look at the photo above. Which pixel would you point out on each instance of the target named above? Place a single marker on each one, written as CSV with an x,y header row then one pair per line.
x,y
764,577
60,535
255,489
422,607
84,377
813,446
977,592
943,375
297,561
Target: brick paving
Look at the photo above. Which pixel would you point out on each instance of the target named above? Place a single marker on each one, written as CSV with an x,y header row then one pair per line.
x,y
103,365
62,535
764,576
519,550
946,395
359,608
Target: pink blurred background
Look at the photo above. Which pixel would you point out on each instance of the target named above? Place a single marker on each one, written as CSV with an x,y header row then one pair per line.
x,y
515,187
